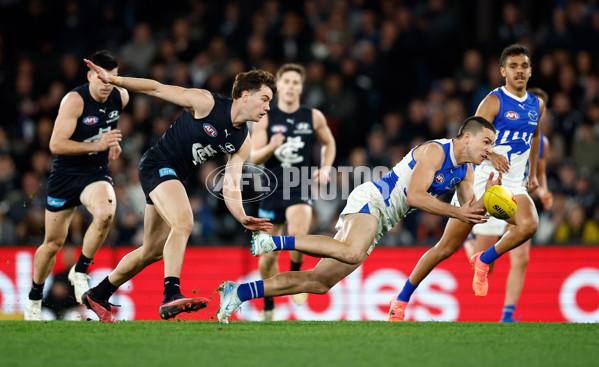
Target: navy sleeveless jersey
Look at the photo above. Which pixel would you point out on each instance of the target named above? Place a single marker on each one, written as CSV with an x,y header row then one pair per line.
x,y
296,150
190,142
96,119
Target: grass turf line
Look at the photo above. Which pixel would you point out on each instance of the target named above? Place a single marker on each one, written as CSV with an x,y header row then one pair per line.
x,y
343,343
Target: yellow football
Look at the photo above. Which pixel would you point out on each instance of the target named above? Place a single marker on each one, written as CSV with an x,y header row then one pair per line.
x,y
500,202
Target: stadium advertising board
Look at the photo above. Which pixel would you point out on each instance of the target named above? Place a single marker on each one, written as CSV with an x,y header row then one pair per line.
x,y
562,286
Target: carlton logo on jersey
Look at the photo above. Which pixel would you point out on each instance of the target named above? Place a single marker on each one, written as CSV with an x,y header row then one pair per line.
x,y
512,115
210,130
278,129
90,120
439,178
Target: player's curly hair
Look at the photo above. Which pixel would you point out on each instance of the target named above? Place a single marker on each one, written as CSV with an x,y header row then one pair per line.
x,y
253,80
513,50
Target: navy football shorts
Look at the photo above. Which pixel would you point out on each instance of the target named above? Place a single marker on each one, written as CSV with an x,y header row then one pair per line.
x,y
154,169
64,189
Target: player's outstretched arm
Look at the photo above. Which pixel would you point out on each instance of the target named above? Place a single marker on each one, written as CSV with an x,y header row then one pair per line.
x,y
232,191
199,102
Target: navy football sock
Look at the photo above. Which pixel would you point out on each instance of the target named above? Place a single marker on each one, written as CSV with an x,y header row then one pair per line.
x,y
296,266
284,242
82,264
269,303
247,291
172,289
37,291
105,289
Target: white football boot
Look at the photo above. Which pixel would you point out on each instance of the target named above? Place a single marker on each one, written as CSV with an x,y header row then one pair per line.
x,y
79,281
262,243
33,310
229,301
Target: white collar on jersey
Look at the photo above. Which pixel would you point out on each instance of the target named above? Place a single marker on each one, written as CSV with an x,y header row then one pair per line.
x,y
452,154
519,99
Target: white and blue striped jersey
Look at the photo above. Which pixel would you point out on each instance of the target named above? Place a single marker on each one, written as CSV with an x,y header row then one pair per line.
x,y
516,122
386,198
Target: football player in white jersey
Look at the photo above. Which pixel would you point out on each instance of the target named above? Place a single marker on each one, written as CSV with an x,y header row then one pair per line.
x,y
519,256
515,113
373,208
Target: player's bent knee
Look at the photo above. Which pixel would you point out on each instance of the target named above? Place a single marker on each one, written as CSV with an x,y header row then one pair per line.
x,y
528,227
53,246
151,257
184,226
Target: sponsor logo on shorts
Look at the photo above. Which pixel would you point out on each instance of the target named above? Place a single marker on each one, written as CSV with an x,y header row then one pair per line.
x,y
90,120
268,214
511,115
56,203
210,130
167,172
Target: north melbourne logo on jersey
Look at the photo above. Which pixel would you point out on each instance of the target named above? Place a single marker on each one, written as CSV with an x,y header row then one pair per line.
x,y
533,115
210,130
90,120
511,115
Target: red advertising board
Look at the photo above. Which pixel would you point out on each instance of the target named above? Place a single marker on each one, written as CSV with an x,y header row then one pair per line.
x,y
562,284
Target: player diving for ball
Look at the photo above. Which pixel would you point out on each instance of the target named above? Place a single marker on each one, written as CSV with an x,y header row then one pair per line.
x,y
515,114
373,208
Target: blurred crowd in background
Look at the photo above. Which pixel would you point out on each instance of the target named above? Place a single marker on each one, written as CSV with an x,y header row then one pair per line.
x,y
387,74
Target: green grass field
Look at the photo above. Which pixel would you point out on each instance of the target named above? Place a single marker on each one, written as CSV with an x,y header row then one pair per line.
x,y
287,343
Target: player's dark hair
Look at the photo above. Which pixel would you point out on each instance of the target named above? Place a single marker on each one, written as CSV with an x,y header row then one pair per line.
x,y
253,80
513,50
292,67
105,59
474,125
540,93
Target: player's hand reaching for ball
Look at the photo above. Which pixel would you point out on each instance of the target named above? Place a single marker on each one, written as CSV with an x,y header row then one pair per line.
x,y
494,182
256,224
468,214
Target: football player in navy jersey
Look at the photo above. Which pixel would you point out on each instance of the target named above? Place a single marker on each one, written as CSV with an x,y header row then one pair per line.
x,y
515,113
84,140
373,208
209,125
286,141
